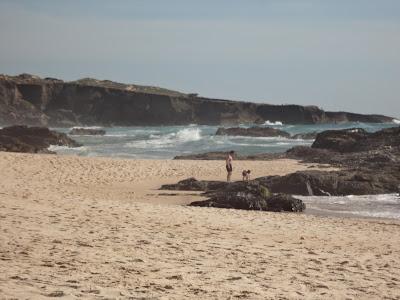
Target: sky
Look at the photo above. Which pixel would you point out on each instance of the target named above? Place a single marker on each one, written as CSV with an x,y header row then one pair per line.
x,y
341,55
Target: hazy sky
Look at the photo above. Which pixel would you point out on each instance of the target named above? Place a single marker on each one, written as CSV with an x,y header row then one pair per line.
x,y
339,55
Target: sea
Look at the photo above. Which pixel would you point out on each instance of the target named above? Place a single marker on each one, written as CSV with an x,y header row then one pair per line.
x,y
166,142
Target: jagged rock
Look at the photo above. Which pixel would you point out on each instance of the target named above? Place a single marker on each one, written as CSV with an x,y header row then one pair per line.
x,y
87,131
32,139
345,140
357,139
29,99
369,162
335,183
305,136
250,196
252,131
191,184
220,155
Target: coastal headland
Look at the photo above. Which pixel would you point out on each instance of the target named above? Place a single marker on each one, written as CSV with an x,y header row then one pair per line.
x,y
31,100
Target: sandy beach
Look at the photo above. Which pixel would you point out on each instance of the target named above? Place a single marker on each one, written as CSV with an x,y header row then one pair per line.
x,y
98,228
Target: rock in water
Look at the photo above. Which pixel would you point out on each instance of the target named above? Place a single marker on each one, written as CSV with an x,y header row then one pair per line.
x,y
283,202
32,139
253,131
305,136
357,139
335,183
87,131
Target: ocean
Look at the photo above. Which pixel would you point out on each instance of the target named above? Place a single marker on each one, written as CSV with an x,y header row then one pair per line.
x,y
165,142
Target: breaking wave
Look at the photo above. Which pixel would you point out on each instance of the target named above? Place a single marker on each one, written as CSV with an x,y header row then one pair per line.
x,y
165,142
276,123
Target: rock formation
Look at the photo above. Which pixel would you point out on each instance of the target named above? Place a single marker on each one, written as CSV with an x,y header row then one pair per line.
x,y
369,162
305,136
32,139
252,131
357,139
87,131
238,195
30,100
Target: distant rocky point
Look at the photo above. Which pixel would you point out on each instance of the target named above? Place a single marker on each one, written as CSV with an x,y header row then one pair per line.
x,y
31,100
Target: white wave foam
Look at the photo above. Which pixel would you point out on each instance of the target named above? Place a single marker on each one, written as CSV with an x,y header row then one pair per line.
x,y
189,134
276,123
87,127
56,148
168,140
395,121
118,135
262,138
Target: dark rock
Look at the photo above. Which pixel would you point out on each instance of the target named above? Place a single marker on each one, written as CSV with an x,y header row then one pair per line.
x,y
369,164
30,100
346,140
222,156
191,184
283,202
87,131
335,183
357,140
32,139
252,131
305,136
251,196
216,155
313,155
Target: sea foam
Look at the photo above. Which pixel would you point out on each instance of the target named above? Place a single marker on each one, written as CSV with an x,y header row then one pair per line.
x,y
276,123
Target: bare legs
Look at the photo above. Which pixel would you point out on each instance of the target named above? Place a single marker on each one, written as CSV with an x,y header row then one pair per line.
x,y
228,177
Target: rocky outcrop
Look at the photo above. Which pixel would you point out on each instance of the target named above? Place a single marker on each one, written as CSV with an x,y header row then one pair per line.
x,y
87,131
248,200
357,140
28,99
191,184
305,136
238,195
32,139
334,183
264,132
253,131
220,155
369,164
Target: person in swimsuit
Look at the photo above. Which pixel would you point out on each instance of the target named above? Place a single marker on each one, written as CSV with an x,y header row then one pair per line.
x,y
228,162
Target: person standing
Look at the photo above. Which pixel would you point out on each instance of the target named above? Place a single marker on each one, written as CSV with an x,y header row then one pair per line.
x,y
229,169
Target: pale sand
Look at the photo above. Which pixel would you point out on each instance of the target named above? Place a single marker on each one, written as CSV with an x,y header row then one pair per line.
x,y
97,228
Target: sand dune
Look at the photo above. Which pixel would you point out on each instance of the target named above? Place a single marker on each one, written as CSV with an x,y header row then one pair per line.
x,y
96,228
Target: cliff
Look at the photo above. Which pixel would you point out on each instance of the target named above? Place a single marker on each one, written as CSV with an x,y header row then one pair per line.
x,y
31,100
